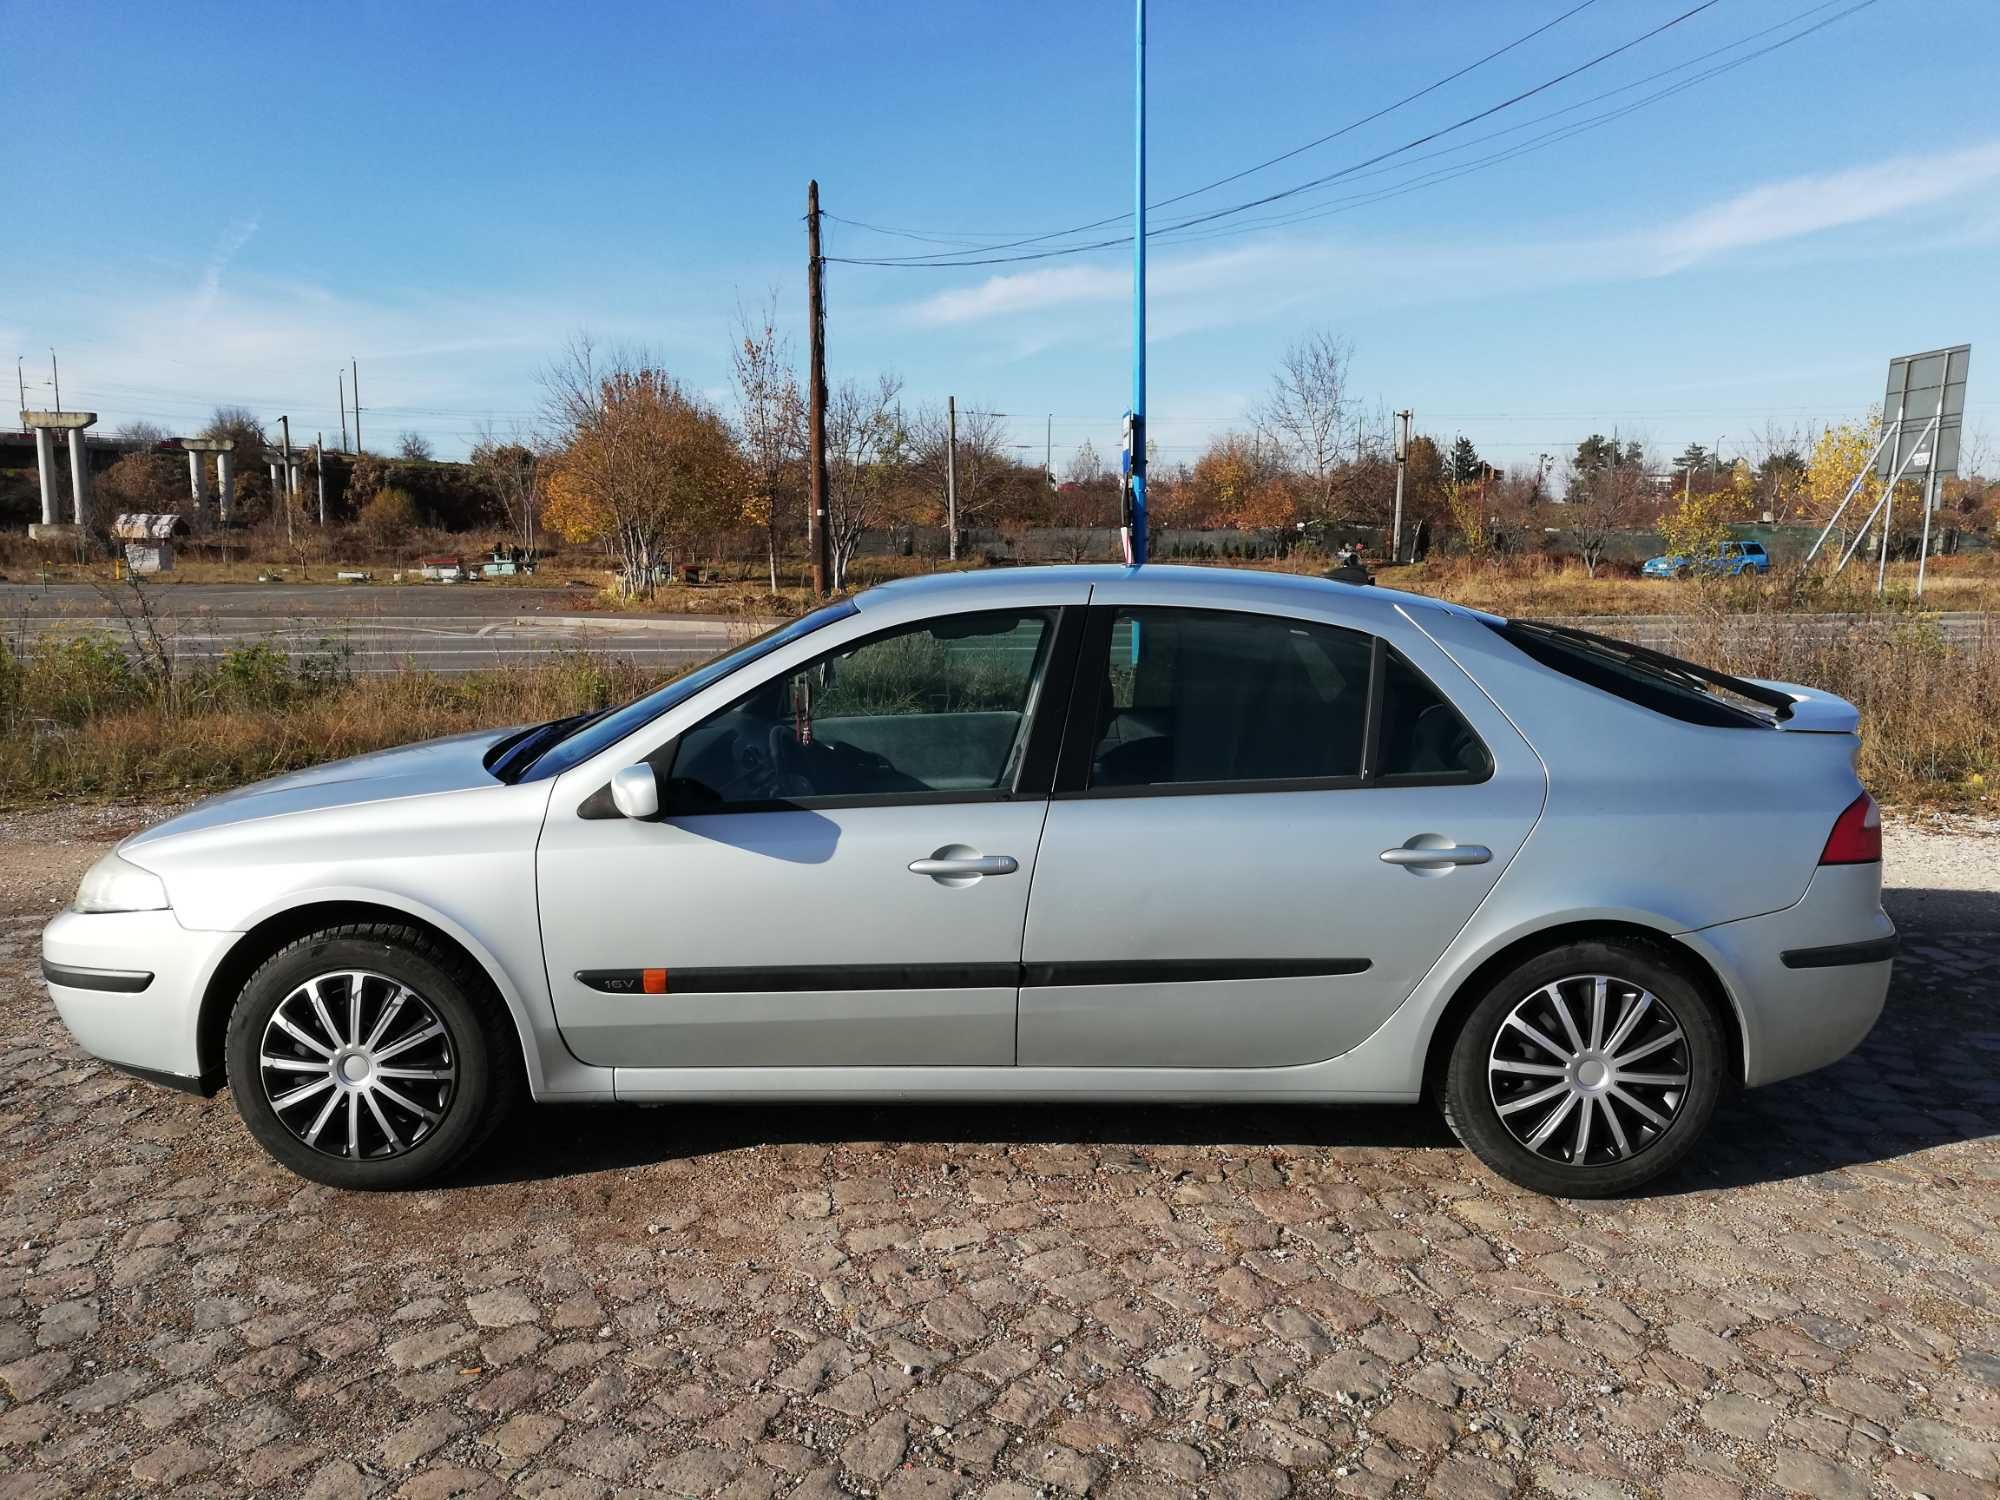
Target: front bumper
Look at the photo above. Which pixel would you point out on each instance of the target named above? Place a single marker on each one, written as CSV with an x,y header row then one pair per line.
x,y
1807,982
93,963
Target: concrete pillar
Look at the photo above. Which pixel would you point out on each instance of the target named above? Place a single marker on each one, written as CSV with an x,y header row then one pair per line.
x,y
225,488
45,467
277,491
79,475
194,480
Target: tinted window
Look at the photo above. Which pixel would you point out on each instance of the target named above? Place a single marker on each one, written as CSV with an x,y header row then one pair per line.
x,y
1197,696
1422,734
939,707
1665,684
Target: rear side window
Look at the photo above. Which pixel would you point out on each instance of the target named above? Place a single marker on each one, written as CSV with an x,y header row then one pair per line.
x,y
1665,684
1217,700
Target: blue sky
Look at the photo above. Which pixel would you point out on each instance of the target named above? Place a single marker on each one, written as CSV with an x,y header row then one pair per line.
x,y
215,203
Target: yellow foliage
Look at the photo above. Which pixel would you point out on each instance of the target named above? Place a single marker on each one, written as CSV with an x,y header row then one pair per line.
x,y
1837,456
571,511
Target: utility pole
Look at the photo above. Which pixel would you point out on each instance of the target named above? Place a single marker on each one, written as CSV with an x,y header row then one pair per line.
x,y
356,387
816,397
1135,529
1049,451
21,379
1402,463
951,477
286,424
55,375
343,409
319,468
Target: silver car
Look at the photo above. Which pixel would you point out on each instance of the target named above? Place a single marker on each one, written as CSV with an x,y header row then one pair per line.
x,y
1053,833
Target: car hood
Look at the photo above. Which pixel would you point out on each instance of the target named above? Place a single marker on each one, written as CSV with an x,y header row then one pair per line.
x,y
455,764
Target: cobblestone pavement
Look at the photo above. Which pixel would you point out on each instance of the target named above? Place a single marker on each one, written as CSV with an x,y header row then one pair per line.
x,y
1005,1302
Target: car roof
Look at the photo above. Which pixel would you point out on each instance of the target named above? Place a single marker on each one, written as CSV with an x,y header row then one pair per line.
x,y
1164,584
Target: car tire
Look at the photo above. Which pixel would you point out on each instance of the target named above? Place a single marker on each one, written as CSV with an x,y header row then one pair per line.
x,y
1515,1067
402,1054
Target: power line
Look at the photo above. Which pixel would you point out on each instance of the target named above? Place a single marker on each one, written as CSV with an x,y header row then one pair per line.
x,y
936,261
1328,207
938,238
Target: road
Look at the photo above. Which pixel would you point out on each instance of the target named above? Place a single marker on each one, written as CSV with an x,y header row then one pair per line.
x,y
1008,1303
442,628
459,628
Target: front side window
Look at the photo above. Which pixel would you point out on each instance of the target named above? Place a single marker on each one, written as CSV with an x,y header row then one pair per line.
x,y
937,708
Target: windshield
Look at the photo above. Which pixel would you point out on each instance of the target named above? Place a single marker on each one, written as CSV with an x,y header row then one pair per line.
x,y
599,731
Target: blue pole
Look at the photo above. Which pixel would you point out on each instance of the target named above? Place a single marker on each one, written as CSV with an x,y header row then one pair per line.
x,y
1139,301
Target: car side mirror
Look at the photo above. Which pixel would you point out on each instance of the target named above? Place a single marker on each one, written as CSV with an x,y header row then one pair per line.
x,y
635,792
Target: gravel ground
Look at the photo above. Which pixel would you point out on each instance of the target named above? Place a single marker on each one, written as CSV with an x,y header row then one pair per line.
x,y
1012,1302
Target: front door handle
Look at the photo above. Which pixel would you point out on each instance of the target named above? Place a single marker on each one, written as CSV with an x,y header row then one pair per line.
x,y
964,867
1437,857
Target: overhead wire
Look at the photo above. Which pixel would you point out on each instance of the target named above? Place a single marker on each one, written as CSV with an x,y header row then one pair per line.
x,y
938,262
943,238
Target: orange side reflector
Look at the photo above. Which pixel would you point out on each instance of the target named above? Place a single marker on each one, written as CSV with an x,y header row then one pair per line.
x,y
654,981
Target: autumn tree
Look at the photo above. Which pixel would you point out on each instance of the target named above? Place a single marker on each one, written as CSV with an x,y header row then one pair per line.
x,y
1840,453
1306,417
1697,529
645,464
770,426
1241,481
867,443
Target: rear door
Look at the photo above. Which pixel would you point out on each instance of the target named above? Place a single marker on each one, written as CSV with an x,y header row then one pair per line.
x,y
1265,830
841,873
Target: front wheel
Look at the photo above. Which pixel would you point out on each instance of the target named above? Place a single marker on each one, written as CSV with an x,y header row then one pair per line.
x,y
1587,1072
368,1056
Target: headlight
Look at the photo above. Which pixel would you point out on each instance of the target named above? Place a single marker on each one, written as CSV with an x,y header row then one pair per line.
x,y
113,884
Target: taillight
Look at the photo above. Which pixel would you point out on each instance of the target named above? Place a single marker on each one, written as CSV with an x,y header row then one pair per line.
x,y
1857,835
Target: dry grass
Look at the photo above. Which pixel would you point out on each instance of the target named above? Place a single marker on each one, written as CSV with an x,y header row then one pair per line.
x,y
1538,587
75,720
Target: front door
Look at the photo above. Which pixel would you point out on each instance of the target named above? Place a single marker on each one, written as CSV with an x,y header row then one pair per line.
x,y
841,873
1212,890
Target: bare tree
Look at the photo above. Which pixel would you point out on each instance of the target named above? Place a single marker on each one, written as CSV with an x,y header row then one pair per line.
x,y
1309,415
982,462
415,447
513,466
866,441
770,421
141,433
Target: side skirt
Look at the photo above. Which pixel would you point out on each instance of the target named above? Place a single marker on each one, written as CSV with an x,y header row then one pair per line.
x,y
1300,1085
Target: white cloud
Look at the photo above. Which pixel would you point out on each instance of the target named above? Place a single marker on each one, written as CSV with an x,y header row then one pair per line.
x,y
234,238
1821,201
1060,304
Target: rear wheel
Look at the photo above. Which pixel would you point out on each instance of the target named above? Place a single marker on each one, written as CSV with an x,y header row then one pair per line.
x,y
369,1056
1587,1072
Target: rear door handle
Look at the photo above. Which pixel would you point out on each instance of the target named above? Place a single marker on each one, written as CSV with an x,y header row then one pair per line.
x,y
1437,858
976,864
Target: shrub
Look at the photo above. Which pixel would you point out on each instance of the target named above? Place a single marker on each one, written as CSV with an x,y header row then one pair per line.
x,y
389,517
73,681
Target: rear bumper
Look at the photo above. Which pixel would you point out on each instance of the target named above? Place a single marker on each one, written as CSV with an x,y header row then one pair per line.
x,y
1807,982
128,985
